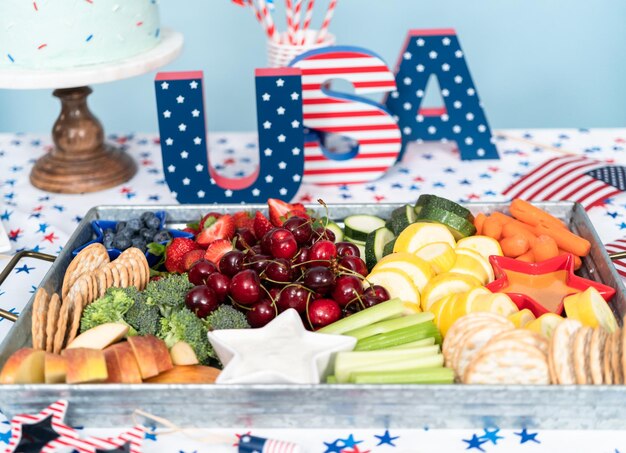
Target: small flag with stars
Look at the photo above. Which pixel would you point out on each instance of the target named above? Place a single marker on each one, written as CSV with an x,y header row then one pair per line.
x,y
573,178
618,246
252,444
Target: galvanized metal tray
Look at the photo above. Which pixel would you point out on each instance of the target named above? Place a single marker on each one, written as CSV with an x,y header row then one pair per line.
x,y
320,406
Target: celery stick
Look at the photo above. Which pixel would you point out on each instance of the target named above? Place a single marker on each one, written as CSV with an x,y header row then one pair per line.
x,y
390,325
390,309
409,363
331,379
415,344
436,375
347,362
400,336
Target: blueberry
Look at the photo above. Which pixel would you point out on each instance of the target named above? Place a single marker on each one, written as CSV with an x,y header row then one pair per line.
x,y
109,231
147,234
153,223
147,215
108,242
134,224
121,242
120,226
162,236
140,243
126,232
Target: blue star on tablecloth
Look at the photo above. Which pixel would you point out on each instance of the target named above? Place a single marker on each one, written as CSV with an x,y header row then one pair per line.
x,y
5,437
386,439
492,435
350,442
151,436
475,442
24,268
525,436
334,447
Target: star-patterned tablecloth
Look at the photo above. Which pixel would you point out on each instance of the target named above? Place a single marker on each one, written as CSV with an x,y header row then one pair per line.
x,y
43,221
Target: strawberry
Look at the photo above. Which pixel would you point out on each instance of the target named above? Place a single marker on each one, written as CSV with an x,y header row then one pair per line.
x,y
175,252
222,228
217,250
208,220
261,225
281,211
243,219
191,258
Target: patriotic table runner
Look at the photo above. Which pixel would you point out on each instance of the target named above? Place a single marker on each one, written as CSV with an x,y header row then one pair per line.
x,y
537,164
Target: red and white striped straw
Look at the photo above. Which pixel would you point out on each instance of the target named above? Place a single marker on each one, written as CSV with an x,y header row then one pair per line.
x,y
308,17
257,13
296,20
289,11
270,28
327,19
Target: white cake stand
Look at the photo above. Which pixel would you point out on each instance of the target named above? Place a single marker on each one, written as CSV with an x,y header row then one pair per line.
x,y
81,161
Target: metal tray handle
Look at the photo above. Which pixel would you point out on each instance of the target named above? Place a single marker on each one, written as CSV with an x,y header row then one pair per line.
x,y
9,268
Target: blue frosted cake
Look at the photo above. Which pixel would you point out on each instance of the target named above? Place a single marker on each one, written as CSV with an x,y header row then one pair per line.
x,y
55,34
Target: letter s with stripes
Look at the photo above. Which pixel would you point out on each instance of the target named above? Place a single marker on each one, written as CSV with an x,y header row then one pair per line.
x,y
330,114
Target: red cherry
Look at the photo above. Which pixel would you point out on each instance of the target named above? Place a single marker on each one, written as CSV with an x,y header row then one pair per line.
x,y
323,312
369,300
200,271
245,287
279,270
231,263
355,264
293,296
201,300
379,292
244,238
300,228
319,278
261,313
347,288
219,283
347,249
280,243
322,252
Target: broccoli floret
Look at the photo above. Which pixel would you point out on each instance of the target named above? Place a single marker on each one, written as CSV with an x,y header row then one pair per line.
x,y
226,317
110,308
184,325
144,318
168,293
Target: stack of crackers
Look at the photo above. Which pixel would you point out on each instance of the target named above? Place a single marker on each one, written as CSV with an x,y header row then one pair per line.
x,y
485,348
56,319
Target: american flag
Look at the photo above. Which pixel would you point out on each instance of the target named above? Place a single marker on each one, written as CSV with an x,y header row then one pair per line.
x,y
573,178
361,120
253,444
618,246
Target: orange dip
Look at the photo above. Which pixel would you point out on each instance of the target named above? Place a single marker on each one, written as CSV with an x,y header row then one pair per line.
x,y
547,289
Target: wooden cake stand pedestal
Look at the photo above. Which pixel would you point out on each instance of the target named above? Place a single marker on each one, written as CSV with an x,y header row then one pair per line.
x,y
81,161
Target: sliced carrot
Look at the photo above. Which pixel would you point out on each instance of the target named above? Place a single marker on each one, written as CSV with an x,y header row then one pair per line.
x,y
565,239
532,215
516,227
514,246
545,248
528,257
492,228
502,218
479,221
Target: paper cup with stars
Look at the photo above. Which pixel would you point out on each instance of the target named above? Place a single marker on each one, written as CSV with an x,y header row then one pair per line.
x,y
280,52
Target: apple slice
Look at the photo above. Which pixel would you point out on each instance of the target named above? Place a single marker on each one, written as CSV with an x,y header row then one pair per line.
x,y
191,374
55,368
146,356
25,366
100,336
85,365
124,368
183,354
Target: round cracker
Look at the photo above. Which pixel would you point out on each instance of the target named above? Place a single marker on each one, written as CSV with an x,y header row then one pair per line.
x,y
517,365
54,307
122,270
518,336
616,358
463,324
607,360
596,355
580,355
59,336
88,259
101,282
142,263
115,274
560,351
76,312
472,342
39,319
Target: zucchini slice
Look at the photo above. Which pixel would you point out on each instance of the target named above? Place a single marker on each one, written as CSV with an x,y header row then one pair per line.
x,y
375,244
388,248
358,226
401,218
443,203
458,226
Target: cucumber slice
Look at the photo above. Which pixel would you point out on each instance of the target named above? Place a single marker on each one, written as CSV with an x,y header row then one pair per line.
x,y
332,226
375,244
443,203
401,218
388,248
458,226
358,226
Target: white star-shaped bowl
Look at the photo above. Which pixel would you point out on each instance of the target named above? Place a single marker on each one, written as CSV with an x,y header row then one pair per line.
x,y
282,352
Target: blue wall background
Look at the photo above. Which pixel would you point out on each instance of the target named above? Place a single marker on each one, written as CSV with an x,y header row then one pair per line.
x,y
537,63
